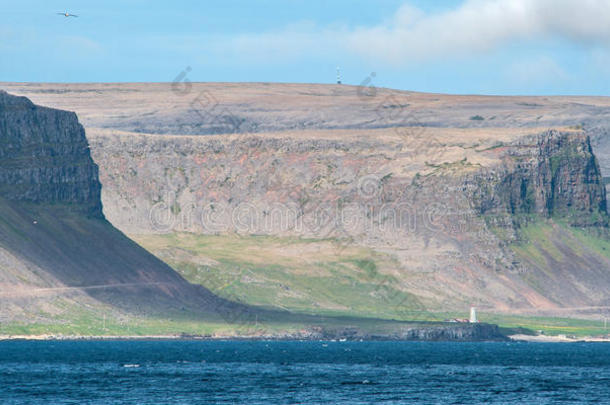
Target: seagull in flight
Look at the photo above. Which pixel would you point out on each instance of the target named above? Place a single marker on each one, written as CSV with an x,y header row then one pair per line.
x,y
66,14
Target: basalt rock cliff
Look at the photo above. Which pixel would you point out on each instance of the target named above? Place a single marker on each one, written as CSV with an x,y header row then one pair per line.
x,y
460,200
552,174
453,216
56,247
45,157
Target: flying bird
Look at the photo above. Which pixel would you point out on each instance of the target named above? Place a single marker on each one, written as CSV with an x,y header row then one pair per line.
x,y
66,14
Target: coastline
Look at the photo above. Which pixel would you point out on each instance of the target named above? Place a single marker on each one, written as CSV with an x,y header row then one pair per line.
x,y
556,338
512,338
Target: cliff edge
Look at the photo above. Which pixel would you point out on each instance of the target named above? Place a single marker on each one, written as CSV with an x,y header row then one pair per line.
x,y
56,248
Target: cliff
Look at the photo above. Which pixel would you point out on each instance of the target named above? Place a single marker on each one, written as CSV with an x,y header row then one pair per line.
x,y
64,267
551,174
328,198
444,214
461,332
219,108
45,157
57,250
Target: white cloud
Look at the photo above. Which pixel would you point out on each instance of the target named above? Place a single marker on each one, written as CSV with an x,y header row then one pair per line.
x,y
480,26
412,36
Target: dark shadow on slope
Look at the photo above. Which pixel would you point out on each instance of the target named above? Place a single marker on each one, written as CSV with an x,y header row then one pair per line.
x,y
89,254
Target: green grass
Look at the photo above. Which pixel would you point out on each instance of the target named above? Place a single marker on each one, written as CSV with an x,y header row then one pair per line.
x,y
324,283
322,277
96,325
543,242
544,239
317,277
549,325
535,244
78,320
587,238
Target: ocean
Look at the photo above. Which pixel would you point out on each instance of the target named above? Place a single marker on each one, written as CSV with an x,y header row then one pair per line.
x,y
309,372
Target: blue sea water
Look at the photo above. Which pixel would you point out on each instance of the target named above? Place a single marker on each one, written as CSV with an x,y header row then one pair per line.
x,y
266,372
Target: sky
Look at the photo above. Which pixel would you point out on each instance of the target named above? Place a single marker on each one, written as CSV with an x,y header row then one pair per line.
x,y
516,47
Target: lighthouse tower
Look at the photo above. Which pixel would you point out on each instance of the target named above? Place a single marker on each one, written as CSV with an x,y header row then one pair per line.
x,y
338,75
473,315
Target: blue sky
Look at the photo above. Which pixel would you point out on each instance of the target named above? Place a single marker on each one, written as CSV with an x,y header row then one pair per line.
x,y
450,46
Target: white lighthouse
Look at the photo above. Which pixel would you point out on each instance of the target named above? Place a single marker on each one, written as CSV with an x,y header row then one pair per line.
x,y
473,315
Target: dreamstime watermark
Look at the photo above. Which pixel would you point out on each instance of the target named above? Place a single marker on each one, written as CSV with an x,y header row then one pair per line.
x,y
218,118
395,111
315,219
363,216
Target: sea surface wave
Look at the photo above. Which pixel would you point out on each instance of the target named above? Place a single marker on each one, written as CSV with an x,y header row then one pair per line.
x,y
294,372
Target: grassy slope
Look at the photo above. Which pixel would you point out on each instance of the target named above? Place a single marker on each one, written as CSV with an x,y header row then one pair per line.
x,y
274,272
326,278
58,245
316,277
63,272
307,276
542,239
557,253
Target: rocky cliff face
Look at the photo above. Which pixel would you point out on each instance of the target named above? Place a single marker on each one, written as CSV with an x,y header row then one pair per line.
x,y
432,200
459,332
44,157
212,108
445,203
56,247
159,184
551,174
471,197
471,332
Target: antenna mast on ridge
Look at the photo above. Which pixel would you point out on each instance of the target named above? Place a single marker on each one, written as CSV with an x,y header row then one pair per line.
x,y
338,75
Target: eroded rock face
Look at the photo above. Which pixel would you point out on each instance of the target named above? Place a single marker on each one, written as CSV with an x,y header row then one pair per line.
x,y
460,332
54,239
435,209
405,177
44,157
468,332
551,174
207,185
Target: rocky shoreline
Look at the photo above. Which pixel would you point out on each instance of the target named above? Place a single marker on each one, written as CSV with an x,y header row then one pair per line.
x,y
513,338
463,333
